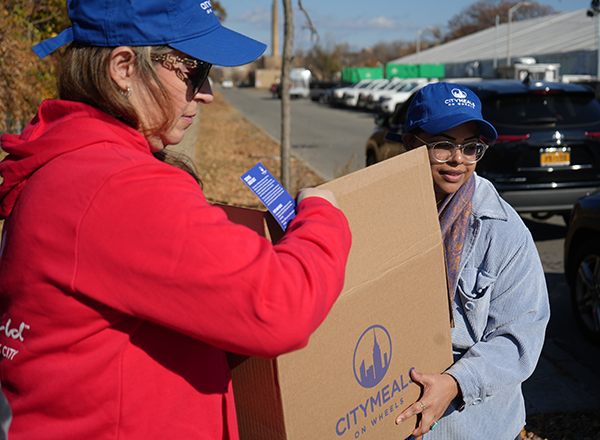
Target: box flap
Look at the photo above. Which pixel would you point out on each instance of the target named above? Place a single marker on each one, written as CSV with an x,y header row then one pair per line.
x,y
400,191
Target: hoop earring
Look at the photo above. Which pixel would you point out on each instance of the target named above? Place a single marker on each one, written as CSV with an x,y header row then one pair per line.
x,y
126,93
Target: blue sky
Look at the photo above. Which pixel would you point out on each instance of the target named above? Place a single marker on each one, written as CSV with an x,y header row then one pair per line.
x,y
361,23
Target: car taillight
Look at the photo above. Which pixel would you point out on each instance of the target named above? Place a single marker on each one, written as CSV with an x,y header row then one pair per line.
x,y
510,137
593,134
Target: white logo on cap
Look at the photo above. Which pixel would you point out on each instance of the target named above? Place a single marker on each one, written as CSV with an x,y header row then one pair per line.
x,y
206,6
460,99
459,94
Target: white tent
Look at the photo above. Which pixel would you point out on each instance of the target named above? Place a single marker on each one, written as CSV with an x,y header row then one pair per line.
x,y
568,38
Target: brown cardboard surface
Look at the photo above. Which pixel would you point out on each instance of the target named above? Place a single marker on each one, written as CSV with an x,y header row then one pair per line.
x,y
352,379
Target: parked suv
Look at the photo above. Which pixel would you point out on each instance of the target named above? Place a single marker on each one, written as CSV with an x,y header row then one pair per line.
x,y
582,265
547,154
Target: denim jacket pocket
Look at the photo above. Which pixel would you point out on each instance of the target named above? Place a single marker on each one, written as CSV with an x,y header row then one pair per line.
x,y
474,291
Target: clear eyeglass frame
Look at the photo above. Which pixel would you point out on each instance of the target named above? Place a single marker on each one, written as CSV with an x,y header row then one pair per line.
x,y
444,151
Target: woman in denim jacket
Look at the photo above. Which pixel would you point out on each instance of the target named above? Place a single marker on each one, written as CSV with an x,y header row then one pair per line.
x,y
497,286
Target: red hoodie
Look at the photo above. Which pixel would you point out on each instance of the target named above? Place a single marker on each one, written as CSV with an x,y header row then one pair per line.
x,y
121,287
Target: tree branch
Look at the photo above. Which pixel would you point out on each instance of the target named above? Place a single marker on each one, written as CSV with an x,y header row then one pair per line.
x,y
310,26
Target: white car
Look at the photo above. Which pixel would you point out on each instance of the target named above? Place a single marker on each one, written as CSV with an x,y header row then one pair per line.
x,y
227,84
338,93
351,97
388,103
373,97
364,95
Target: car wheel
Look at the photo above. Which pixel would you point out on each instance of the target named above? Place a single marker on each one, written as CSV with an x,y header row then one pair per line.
x,y
585,290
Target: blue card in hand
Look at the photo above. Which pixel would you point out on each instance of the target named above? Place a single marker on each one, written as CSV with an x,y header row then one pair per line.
x,y
274,196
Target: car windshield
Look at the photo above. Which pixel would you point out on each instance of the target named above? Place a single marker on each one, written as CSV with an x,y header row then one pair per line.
x,y
408,87
391,85
543,108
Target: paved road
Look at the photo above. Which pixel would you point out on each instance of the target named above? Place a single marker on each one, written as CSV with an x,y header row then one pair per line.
x,y
568,375
330,140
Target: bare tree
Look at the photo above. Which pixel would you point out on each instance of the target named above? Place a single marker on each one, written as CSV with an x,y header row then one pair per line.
x,y
286,111
482,15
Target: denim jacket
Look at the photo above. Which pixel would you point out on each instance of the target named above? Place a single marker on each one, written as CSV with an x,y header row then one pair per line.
x,y
501,310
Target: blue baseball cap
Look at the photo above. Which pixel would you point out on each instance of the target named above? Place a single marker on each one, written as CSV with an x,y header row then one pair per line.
x,y
441,106
189,26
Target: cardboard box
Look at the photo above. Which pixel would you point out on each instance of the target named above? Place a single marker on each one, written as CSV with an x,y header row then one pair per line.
x,y
352,379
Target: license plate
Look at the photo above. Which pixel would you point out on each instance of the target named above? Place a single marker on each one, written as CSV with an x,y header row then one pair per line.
x,y
552,157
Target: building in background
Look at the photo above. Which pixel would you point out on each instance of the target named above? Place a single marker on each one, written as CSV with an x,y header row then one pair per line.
x,y
568,38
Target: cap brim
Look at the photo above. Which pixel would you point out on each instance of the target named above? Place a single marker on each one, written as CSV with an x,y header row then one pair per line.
x,y
222,47
447,122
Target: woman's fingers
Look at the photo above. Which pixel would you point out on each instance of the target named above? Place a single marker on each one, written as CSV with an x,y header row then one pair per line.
x,y
438,392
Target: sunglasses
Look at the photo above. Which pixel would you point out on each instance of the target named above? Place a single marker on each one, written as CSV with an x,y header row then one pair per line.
x,y
196,79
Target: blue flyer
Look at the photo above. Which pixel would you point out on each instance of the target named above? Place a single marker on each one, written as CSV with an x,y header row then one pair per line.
x,y
274,196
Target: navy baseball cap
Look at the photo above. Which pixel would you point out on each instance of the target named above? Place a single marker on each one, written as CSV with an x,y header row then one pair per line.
x,y
189,26
441,106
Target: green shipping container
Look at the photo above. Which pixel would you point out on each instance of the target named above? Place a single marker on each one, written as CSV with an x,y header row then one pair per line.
x,y
415,70
431,70
402,71
354,74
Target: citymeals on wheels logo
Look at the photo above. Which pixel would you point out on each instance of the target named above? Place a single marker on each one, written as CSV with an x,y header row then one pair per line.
x,y
372,356
459,94
460,98
372,360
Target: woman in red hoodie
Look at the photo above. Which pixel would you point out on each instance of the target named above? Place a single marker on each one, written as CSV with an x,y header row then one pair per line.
x,y
121,288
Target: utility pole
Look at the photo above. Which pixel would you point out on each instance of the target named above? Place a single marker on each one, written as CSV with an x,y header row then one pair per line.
x,y
510,14
595,12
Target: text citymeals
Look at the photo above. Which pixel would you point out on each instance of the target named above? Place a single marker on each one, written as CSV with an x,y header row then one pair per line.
x,y
455,101
386,402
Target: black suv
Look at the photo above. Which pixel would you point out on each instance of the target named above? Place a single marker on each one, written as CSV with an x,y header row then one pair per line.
x,y
547,154
582,265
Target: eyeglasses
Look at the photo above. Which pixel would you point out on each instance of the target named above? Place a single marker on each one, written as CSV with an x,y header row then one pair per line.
x,y
196,79
443,151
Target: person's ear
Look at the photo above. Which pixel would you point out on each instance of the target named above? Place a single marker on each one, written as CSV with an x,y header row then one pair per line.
x,y
122,66
410,142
